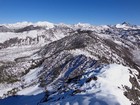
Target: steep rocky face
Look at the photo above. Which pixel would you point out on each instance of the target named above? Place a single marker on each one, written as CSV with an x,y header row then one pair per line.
x,y
69,60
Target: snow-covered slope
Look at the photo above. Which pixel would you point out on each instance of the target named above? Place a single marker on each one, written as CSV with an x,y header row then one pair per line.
x,y
99,87
64,64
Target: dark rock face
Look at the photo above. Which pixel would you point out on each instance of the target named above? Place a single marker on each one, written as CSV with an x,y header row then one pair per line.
x,y
133,93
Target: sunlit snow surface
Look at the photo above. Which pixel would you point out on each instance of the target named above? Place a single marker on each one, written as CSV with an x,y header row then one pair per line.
x,y
107,90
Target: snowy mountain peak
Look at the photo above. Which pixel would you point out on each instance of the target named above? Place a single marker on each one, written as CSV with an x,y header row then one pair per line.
x,y
124,25
44,24
82,25
19,25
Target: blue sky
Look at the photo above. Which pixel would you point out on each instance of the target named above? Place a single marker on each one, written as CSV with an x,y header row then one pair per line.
x,y
71,11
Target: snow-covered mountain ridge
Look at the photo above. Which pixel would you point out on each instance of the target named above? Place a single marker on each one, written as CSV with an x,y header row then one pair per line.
x,y
26,33
60,64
